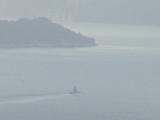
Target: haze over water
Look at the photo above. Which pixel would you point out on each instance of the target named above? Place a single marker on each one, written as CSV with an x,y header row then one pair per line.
x,y
119,78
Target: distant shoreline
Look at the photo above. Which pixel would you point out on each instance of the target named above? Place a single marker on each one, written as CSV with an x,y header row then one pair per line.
x,y
40,32
10,47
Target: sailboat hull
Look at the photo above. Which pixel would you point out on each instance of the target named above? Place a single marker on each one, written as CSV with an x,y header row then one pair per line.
x,y
74,92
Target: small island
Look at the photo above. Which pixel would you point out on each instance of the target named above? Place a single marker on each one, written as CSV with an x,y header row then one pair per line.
x,y
40,32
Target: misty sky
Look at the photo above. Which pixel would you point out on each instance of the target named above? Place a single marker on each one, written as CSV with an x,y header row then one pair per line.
x,y
109,11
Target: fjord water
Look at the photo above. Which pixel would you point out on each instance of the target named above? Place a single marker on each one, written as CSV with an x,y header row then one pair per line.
x,y
118,79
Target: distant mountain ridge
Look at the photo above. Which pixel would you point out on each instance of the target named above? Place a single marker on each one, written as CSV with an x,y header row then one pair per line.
x,y
40,32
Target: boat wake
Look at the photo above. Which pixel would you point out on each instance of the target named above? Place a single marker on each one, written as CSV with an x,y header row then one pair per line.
x,y
31,98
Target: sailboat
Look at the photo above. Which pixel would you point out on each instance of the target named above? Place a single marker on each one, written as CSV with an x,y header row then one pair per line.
x,y
74,91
